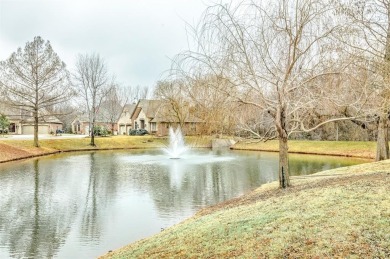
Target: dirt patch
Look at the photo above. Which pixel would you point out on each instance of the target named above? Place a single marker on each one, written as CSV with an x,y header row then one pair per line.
x,y
10,153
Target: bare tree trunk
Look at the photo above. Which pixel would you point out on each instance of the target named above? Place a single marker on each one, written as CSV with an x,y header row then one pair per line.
x,y
382,148
284,176
36,143
92,130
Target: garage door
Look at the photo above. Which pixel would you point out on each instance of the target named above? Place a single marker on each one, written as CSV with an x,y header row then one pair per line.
x,y
122,130
29,129
43,130
86,130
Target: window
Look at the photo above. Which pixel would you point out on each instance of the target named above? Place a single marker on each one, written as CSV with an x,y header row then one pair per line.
x,y
153,126
12,128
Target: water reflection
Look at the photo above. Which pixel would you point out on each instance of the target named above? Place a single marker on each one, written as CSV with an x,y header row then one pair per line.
x,y
82,205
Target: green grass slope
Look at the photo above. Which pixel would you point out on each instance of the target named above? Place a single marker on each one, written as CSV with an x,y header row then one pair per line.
x,y
341,213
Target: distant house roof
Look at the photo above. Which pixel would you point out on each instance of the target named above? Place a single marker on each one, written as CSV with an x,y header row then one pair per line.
x,y
81,117
159,111
149,107
18,114
129,108
171,118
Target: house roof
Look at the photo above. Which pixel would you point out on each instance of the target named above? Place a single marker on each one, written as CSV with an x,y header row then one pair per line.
x,y
10,112
81,117
23,116
171,118
129,108
136,113
125,117
158,111
149,107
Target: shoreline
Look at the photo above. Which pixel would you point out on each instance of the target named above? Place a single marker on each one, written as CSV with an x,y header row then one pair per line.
x,y
265,218
305,153
16,150
303,221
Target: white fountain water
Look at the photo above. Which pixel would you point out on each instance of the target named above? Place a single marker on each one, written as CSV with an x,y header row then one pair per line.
x,y
176,144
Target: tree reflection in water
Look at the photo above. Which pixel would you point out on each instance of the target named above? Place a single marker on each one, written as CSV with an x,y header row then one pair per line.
x,y
84,204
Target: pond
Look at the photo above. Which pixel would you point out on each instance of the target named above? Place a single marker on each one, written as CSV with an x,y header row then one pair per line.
x,y
81,205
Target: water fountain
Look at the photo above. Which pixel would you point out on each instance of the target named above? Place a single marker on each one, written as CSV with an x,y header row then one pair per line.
x,y
178,151
176,144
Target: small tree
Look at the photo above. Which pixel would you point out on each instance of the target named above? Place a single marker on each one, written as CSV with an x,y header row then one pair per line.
x,y
91,77
4,124
113,105
366,37
274,56
35,78
175,106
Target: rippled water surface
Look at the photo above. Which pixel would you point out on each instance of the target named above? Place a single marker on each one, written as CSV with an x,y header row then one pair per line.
x,y
81,205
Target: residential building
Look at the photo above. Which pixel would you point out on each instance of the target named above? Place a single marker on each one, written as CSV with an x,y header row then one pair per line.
x,y
81,124
22,122
156,116
125,122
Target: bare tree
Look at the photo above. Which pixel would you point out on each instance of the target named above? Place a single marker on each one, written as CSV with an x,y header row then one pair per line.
x,y
66,113
366,37
35,78
113,104
91,76
212,105
136,93
271,55
175,105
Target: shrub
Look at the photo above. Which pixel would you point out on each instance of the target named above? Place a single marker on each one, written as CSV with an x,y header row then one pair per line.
x,y
100,131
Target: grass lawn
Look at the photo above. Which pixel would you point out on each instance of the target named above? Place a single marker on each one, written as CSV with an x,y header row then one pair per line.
x,y
338,213
341,213
17,149
362,149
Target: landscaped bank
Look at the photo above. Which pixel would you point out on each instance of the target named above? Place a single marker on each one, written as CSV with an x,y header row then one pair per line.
x,y
11,150
339,213
336,213
363,149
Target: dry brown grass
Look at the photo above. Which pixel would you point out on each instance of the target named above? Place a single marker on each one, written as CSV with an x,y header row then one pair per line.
x,y
363,149
19,149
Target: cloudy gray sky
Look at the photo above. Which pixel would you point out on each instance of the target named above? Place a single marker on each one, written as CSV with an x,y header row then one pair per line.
x,y
135,37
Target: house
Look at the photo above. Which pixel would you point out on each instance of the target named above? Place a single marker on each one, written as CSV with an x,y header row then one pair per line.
x,y
80,124
145,110
22,122
189,126
156,116
125,122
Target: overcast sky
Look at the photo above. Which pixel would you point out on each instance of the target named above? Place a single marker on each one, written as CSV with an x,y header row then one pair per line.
x,y
135,37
